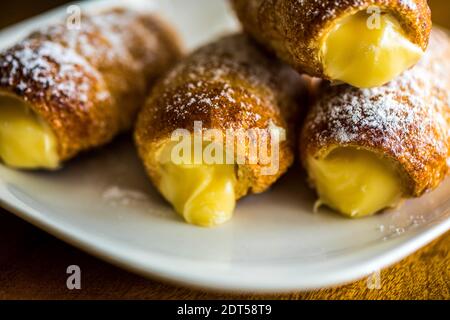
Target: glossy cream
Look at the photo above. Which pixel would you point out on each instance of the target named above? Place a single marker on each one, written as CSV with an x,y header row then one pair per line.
x,y
355,182
26,142
203,194
367,51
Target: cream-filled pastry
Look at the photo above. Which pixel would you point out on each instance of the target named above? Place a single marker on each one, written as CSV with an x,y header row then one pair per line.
x,y
63,91
366,149
226,87
363,43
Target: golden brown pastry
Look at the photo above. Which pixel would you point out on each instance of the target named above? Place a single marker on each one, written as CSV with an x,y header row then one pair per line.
x,y
365,43
365,149
64,90
229,86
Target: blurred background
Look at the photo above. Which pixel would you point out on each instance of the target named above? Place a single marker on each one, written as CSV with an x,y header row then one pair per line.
x,y
441,12
17,10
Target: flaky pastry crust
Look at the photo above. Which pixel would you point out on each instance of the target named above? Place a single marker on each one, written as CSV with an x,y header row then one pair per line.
x,y
294,29
228,84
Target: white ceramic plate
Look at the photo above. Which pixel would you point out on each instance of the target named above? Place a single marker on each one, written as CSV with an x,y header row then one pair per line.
x,y
103,204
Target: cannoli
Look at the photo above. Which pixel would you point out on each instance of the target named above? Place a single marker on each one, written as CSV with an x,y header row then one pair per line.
x,y
366,149
230,97
66,89
365,43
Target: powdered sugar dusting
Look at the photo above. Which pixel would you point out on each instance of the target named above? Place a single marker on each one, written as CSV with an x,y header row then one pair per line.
x,y
116,195
63,63
408,118
396,109
316,10
57,71
207,81
103,39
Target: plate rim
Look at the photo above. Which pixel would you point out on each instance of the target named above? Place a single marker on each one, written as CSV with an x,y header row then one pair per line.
x,y
160,272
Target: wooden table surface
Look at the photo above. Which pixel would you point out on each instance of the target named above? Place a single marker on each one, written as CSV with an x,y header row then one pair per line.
x,y
33,264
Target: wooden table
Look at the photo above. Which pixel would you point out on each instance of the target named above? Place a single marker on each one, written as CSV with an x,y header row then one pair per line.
x,y
33,264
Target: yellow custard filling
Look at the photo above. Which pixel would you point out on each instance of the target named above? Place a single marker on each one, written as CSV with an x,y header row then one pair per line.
x,y
368,50
203,194
355,182
26,142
